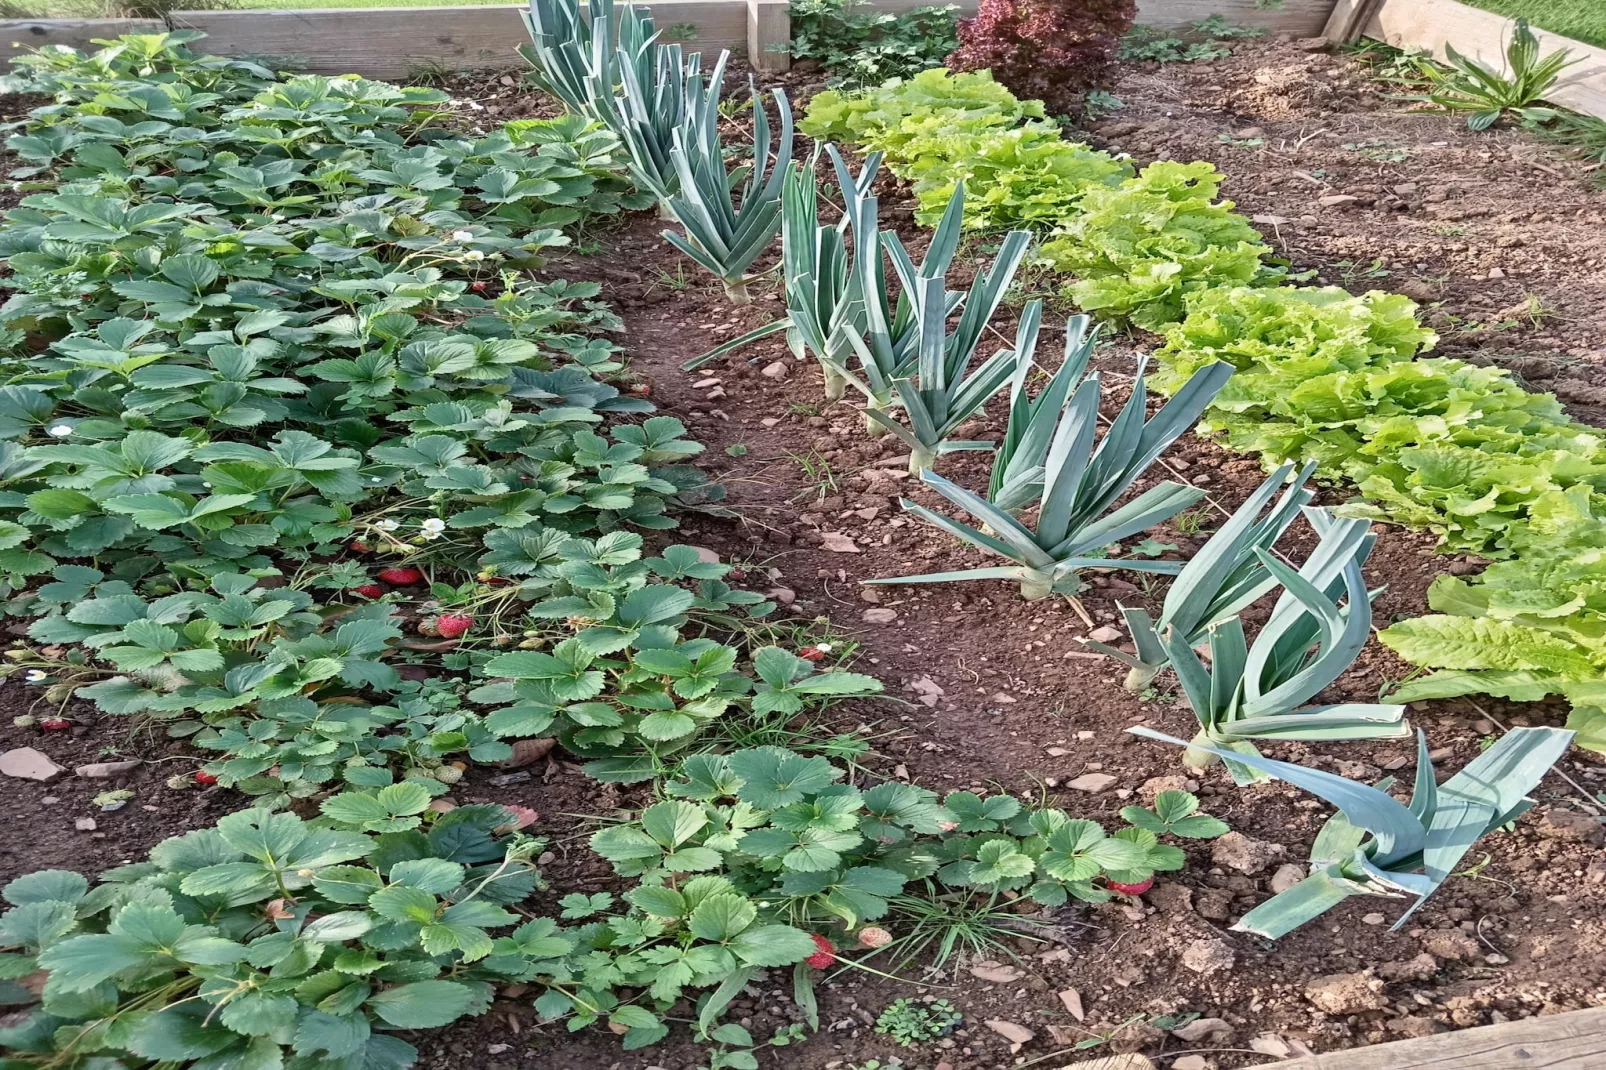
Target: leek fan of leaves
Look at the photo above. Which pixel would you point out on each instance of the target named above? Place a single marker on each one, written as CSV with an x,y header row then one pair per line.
x,y
1258,691
1075,520
1219,581
725,234
1376,845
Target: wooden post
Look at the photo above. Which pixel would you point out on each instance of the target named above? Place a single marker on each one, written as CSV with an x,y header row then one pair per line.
x,y
1348,20
769,34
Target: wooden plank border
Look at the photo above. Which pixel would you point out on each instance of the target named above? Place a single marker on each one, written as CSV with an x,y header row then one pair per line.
x,y
396,43
1572,1041
1428,25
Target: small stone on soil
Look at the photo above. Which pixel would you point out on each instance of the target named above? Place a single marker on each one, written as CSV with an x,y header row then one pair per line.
x,y
1248,856
1347,993
1209,955
1286,877
879,615
106,769
1092,782
26,763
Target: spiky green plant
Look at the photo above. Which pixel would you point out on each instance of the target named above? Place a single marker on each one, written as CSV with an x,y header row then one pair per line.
x,y
1375,845
944,390
612,67
895,341
1258,691
724,234
1218,582
661,92
823,293
1485,93
1017,476
574,55
1075,519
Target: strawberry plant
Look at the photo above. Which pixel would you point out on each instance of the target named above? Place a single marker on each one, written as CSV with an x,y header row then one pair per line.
x,y
271,939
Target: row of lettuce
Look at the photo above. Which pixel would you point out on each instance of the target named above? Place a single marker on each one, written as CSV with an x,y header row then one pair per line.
x,y
1320,375
300,464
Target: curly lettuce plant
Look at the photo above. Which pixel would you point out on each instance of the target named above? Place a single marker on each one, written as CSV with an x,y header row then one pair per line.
x,y
1138,249
1522,629
888,117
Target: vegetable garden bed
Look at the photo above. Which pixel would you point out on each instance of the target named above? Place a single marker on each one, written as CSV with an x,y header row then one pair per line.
x,y
996,695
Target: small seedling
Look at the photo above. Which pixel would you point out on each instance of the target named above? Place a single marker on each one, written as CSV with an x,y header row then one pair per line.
x,y
909,1022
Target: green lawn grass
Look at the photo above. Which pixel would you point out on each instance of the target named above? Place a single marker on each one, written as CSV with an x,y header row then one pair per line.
x,y
1582,20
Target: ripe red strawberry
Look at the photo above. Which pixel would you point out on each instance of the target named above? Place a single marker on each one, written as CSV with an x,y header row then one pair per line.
x,y
640,389
369,590
55,724
203,777
811,653
401,577
478,284
452,625
737,574
357,546
825,956
1131,889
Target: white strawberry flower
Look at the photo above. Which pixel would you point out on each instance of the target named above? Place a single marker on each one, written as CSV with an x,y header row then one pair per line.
x,y
434,524
60,431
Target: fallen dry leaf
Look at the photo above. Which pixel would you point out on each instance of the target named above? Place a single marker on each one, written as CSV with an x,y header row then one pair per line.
x,y
1073,1003
1017,1035
527,752
524,817
996,973
838,543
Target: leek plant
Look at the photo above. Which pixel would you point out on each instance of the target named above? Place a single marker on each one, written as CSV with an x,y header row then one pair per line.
x,y
896,343
823,295
1017,476
817,260
1376,845
1075,519
662,92
723,235
640,89
574,55
944,390
1218,582
1250,692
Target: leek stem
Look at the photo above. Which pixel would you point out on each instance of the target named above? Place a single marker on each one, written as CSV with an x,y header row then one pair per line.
x,y
1035,585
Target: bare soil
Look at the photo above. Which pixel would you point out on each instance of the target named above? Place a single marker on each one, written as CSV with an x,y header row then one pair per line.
x,y
991,693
